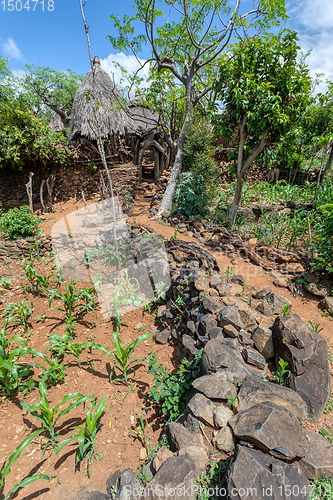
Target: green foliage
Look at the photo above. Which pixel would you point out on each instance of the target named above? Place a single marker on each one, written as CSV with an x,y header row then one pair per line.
x,y
87,434
285,310
197,185
191,198
5,282
281,375
12,371
19,222
76,302
141,435
6,469
48,417
315,327
38,282
327,435
211,478
19,313
323,246
322,488
170,390
121,356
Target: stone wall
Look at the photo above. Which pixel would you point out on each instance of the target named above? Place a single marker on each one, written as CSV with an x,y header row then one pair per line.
x,y
22,247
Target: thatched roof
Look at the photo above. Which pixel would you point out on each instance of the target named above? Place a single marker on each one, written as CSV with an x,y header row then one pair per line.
x,y
56,123
113,114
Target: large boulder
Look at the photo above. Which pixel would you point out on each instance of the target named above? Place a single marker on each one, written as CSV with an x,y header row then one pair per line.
x,y
272,429
230,316
254,391
215,386
318,460
225,359
307,356
202,408
175,474
179,437
254,474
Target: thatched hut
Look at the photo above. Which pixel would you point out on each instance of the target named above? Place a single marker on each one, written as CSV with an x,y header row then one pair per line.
x,y
129,128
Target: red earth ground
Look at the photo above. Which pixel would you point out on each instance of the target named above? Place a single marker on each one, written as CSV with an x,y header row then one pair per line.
x,y
116,447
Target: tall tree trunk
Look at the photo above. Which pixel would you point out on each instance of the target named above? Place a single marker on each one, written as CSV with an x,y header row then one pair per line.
x,y
328,164
236,201
167,199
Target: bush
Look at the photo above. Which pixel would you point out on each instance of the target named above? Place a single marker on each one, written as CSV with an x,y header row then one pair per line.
x,y
19,222
191,198
198,183
324,239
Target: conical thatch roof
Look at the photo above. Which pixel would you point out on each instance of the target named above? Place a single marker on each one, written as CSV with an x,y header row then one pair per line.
x,y
113,114
56,123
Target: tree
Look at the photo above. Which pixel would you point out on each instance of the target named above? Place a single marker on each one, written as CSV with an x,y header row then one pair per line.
x,y
44,87
23,136
263,89
187,45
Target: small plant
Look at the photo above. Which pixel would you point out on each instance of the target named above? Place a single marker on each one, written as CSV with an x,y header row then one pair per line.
x,y
179,302
210,479
281,375
121,356
232,401
11,370
175,234
48,417
38,282
87,434
76,302
315,327
5,282
229,272
19,313
141,435
329,406
285,310
6,468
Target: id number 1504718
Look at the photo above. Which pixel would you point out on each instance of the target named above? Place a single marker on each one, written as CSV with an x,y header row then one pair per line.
x,y
27,5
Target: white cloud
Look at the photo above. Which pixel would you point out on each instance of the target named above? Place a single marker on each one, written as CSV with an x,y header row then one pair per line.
x,y
20,73
11,50
129,63
316,14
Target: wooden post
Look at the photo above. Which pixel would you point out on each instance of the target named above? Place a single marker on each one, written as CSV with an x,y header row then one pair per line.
x,y
156,164
29,191
50,186
41,196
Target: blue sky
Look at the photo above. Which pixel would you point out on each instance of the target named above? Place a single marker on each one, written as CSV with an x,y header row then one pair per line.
x,y
57,38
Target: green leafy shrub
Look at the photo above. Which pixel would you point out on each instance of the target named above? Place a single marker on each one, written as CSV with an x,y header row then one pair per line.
x,y
19,222
323,245
170,390
197,185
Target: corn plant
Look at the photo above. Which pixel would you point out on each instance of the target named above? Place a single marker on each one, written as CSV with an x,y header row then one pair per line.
x,y
48,417
6,469
315,327
38,283
121,356
11,370
5,282
64,345
87,434
141,435
75,302
19,313
229,273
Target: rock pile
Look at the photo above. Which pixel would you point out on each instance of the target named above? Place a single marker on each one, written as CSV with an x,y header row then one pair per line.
x,y
252,419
